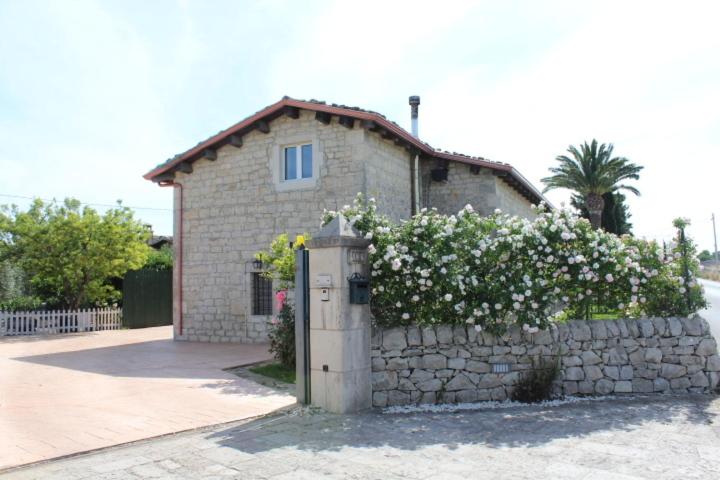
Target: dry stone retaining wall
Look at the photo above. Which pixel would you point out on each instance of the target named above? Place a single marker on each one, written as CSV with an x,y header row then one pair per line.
x,y
448,364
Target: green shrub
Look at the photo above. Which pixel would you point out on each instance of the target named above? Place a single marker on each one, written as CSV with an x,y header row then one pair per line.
x,y
494,271
536,385
20,304
282,332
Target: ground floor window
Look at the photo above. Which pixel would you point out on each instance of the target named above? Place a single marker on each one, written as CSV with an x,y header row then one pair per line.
x,y
261,294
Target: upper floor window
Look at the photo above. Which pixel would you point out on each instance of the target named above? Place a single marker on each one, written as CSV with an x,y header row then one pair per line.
x,y
298,162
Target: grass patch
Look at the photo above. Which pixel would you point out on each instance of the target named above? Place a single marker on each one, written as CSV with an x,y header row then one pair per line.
x,y
276,371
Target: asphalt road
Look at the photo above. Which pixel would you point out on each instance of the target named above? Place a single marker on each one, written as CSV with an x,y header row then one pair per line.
x,y
712,314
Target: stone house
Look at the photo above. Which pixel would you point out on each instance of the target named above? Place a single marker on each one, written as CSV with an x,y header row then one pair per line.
x,y
275,172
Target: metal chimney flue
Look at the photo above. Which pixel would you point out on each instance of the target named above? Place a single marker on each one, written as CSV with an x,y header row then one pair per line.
x,y
414,106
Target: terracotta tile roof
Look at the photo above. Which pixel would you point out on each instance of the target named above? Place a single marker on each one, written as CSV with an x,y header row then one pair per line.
x,y
376,122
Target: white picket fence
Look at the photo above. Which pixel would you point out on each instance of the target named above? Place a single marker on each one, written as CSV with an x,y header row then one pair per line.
x,y
59,321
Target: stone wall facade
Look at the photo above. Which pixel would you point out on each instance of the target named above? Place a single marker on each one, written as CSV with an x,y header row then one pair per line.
x,y
481,189
235,205
452,364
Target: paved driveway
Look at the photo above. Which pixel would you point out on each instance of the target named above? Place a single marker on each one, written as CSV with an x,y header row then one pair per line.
x,y
652,438
66,394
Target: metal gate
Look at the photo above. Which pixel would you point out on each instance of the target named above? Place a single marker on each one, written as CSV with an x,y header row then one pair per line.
x,y
147,298
302,325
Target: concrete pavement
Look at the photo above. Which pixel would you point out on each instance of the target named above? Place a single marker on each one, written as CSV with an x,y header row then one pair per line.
x,y
64,394
656,438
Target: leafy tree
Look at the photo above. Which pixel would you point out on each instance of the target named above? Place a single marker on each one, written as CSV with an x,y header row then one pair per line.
x,y
280,258
70,254
615,214
160,259
590,173
705,256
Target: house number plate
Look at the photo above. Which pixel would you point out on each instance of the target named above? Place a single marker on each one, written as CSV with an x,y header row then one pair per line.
x,y
357,256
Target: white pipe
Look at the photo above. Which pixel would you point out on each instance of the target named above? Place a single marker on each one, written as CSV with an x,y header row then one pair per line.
x,y
414,106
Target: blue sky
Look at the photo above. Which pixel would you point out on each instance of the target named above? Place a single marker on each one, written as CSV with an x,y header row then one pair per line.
x,y
94,94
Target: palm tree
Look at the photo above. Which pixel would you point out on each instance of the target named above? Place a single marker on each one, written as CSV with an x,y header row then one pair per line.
x,y
592,172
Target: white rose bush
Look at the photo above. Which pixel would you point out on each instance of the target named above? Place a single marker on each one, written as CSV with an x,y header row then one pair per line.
x,y
494,271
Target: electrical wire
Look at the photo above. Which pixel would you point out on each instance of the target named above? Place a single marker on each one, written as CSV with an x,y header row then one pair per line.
x,y
89,204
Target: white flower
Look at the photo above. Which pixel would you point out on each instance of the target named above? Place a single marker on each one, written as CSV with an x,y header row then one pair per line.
x,y
396,264
369,236
443,271
609,278
398,304
498,306
372,249
429,283
415,298
405,316
448,297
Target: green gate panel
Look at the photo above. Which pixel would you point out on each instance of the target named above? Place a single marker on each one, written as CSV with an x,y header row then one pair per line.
x,y
147,298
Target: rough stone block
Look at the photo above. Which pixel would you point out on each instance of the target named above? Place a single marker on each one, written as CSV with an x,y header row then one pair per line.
x,y
586,388
580,330
694,326
406,385
674,327
633,328
444,373
498,394
434,361
572,361
489,380
459,382
466,396
397,363
623,386
660,325
593,372
612,372
419,375
396,397
543,337
459,335
444,334
384,380
713,363
653,355
599,330
647,329
680,384
379,399
661,385
429,338
394,339
414,337
590,358
706,347
574,374
477,367
626,372
433,385
699,379
641,385
456,363
604,386
669,370
377,363
617,356
428,397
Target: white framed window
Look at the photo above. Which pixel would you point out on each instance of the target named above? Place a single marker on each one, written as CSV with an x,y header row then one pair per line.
x,y
297,162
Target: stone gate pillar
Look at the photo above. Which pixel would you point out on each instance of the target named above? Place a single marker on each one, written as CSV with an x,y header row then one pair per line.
x,y
339,330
